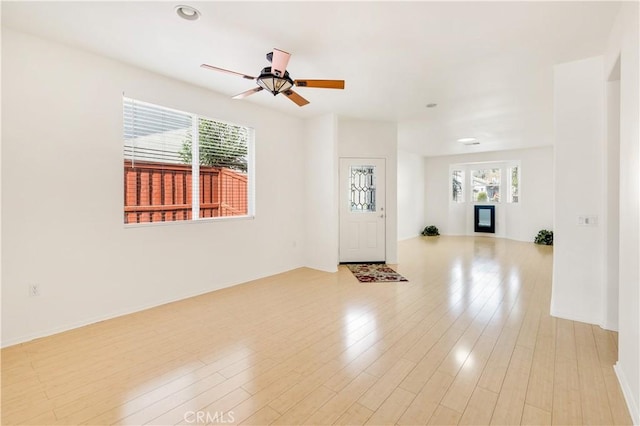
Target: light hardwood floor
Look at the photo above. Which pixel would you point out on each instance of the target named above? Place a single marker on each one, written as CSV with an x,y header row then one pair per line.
x,y
468,340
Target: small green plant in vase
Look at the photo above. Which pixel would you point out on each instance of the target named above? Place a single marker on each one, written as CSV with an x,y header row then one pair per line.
x,y
544,237
430,231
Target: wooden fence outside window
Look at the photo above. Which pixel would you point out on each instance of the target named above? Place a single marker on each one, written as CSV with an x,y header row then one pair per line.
x,y
161,192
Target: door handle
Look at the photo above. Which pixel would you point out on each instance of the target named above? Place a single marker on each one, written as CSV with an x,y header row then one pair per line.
x,y
382,216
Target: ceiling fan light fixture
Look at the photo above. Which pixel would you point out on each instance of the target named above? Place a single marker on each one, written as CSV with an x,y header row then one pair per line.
x,y
187,12
272,83
276,79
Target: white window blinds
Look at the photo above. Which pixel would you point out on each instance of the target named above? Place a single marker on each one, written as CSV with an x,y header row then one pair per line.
x,y
154,133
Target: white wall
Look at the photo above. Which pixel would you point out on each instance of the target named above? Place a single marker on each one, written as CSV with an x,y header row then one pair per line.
x,y
321,218
624,44
411,180
375,139
612,222
517,221
62,195
578,272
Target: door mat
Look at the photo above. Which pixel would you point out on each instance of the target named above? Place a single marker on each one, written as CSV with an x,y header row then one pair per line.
x,y
374,273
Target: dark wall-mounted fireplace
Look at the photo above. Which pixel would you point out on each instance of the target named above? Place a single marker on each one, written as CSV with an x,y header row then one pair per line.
x,y
484,219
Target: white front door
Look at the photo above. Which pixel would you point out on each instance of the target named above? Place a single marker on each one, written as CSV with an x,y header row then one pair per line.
x,y
362,210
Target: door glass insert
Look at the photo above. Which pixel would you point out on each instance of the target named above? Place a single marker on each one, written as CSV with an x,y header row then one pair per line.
x,y
362,188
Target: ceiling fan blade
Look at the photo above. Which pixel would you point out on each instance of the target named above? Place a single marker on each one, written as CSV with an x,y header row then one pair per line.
x,y
323,84
247,93
299,100
211,67
279,62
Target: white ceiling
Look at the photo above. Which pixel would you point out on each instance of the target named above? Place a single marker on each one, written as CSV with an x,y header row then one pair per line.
x,y
488,65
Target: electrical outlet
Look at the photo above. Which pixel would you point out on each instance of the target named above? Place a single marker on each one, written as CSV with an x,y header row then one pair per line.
x,y
34,290
588,220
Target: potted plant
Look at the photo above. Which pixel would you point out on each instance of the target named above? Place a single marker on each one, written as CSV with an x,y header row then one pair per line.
x,y
544,237
430,231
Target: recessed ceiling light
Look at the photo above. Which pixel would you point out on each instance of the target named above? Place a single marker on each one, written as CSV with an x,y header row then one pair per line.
x,y
432,105
465,140
187,12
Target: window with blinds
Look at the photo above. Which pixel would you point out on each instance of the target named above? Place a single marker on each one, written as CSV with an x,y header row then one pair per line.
x,y
164,149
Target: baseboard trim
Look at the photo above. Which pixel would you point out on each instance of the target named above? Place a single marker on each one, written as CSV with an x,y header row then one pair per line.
x,y
571,317
127,311
409,237
111,315
628,397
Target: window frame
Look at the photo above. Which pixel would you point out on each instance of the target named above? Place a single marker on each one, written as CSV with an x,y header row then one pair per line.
x,y
510,168
462,199
483,167
195,171
467,169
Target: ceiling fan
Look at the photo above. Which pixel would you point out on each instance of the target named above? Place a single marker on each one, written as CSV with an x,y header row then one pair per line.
x,y
276,79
